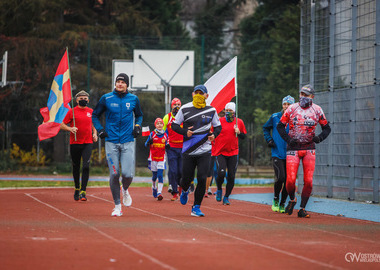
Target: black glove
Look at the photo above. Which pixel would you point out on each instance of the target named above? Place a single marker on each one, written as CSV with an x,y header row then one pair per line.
x,y
136,131
316,139
150,142
167,147
271,144
293,142
103,134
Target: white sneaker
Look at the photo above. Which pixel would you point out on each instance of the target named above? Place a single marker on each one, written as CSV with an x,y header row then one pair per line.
x,y
127,199
170,189
117,212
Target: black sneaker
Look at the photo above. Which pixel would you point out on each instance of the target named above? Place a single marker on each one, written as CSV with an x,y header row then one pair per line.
x,y
192,188
289,207
302,213
76,194
82,196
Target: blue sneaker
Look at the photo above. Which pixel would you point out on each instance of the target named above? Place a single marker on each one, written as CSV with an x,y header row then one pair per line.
x,y
154,191
226,201
184,197
196,211
219,195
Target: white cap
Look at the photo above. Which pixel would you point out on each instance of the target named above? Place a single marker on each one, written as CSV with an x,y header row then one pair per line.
x,y
231,106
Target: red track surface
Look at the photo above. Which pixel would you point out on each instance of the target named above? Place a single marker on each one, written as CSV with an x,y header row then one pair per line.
x,y
47,229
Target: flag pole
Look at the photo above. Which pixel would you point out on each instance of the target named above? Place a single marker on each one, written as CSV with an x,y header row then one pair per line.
x,y
71,90
236,89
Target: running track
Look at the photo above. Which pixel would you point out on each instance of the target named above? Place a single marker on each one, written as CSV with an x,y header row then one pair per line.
x,y
47,229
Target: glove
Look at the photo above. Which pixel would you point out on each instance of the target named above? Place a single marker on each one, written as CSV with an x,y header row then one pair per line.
x,y
316,139
103,134
167,147
293,142
150,142
271,144
136,131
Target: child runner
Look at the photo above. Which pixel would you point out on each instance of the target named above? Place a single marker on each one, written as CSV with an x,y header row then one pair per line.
x,y
157,142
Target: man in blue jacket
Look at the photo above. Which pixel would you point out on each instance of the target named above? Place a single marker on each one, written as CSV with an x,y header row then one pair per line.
x,y
278,146
123,117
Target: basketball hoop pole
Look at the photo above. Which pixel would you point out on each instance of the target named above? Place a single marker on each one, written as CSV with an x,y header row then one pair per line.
x,y
4,73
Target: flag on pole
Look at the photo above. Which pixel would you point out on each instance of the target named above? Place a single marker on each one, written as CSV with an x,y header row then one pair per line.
x,y
58,101
222,86
145,131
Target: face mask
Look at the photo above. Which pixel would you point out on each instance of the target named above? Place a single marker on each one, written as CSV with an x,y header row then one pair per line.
x,y
83,103
199,101
305,102
230,116
175,110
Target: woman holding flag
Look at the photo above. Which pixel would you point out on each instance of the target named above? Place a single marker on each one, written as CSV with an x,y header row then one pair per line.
x,y
227,150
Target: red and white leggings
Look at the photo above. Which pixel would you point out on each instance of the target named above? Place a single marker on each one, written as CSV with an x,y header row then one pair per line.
x,y
293,159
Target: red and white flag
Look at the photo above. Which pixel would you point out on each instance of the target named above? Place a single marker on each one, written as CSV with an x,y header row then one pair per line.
x,y
145,131
222,86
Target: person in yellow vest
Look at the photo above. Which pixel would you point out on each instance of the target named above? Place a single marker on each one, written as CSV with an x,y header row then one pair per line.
x,y
174,154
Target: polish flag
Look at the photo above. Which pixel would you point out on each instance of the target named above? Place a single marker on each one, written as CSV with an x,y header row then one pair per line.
x,y
222,86
145,131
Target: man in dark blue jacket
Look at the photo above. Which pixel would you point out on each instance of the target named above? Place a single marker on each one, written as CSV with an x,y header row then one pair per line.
x,y
123,123
278,146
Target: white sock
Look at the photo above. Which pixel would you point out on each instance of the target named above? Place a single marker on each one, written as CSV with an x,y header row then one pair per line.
x,y
160,186
154,184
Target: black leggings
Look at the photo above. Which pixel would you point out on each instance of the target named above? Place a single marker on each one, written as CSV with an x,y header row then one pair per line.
x,y
279,166
78,152
230,163
201,163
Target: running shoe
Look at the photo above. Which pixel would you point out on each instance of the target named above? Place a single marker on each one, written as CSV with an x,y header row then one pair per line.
x,y
76,194
302,213
282,208
170,189
196,211
209,192
184,197
206,195
219,195
290,206
159,197
154,192
82,196
175,197
226,201
117,212
275,206
127,199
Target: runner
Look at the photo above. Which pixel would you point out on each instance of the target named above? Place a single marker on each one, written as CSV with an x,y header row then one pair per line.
x,y
302,118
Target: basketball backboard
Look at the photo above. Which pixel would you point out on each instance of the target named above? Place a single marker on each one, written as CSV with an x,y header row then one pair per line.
x,y
175,67
126,66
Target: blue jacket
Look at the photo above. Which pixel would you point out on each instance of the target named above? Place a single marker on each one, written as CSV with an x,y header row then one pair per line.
x,y
122,113
280,150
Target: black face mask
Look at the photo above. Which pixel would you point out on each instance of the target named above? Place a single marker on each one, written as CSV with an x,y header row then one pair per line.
x,y
175,110
83,102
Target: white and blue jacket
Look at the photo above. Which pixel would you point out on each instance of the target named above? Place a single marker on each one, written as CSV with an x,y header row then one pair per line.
x,y
280,150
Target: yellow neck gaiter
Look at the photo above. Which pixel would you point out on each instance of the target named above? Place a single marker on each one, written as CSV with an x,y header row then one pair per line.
x,y
199,101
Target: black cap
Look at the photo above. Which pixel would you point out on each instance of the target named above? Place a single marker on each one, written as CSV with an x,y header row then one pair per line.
x,y
122,77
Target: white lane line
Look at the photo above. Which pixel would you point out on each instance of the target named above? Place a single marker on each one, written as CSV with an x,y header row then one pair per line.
x,y
235,237
135,250
295,225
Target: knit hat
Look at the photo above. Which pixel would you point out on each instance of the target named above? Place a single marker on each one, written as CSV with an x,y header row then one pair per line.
x,y
288,99
82,93
176,100
158,120
122,77
231,106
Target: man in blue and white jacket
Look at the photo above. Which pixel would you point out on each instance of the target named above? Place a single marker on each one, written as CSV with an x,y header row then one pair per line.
x,y
278,146
123,117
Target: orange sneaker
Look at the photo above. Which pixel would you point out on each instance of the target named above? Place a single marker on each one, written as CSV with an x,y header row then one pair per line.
x,y
175,197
